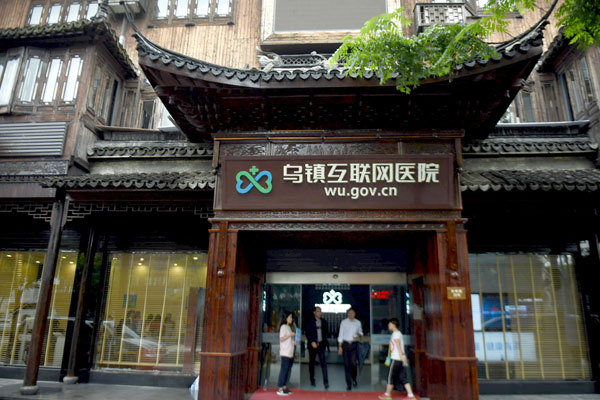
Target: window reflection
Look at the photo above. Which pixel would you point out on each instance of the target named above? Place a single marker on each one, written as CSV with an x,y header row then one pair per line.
x,y
151,299
20,279
527,316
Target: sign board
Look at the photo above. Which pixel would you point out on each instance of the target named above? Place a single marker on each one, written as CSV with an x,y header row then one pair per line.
x,y
338,183
456,293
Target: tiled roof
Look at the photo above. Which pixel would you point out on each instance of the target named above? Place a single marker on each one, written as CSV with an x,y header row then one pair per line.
x,y
584,180
254,77
544,130
22,178
157,181
205,98
554,50
95,29
204,150
530,146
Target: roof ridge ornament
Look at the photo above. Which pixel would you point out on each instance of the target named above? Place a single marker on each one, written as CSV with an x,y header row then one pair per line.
x,y
313,61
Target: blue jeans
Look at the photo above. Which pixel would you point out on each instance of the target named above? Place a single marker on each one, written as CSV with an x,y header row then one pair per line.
x,y
285,371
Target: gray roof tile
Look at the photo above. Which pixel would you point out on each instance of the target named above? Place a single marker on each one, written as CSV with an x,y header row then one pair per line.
x,y
584,180
161,181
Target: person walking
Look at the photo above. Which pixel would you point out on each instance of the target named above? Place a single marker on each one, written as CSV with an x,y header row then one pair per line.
x,y
350,333
316,335
397,371
286,351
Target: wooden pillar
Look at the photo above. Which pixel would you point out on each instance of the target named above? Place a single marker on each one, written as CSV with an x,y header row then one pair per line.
x,y
225,339
59,211
452,369
90,252
256,287
190,332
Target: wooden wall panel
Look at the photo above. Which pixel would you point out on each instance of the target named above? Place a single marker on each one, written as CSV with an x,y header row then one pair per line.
x,y
229,45
14,13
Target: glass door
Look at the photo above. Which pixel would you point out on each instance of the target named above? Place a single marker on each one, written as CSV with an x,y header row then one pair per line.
x,y
277,300
387,301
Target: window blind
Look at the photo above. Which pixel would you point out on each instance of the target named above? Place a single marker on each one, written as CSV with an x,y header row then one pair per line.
x,y
528,318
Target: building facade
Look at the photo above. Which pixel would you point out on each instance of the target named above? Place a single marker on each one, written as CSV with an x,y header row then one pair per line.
x,y
168,189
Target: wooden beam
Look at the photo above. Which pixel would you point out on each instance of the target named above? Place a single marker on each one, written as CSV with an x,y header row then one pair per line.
x,y
58,219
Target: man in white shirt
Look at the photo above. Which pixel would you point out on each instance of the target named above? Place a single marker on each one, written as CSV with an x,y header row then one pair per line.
x,y
350,333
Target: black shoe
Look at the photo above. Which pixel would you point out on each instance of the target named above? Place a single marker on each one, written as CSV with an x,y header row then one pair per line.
x,y
354,383
349,388
313,384
326,385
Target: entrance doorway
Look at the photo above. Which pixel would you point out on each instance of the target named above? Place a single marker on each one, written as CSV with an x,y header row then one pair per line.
x,y
375,296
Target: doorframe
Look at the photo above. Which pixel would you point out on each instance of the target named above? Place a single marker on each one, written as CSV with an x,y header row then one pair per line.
x,y
334,278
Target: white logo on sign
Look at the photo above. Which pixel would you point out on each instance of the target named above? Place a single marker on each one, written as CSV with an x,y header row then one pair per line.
x,y
332,297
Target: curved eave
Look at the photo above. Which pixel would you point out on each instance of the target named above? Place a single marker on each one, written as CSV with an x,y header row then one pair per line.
x,y
205,98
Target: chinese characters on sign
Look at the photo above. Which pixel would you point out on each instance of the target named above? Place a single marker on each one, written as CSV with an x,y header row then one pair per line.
x,y
362,173
456,293
373,182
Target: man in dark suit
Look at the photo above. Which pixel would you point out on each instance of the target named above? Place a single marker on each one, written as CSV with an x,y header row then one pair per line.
x,y
317,334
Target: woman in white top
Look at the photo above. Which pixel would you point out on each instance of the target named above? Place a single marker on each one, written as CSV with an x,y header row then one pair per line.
x,y
399,361
286,351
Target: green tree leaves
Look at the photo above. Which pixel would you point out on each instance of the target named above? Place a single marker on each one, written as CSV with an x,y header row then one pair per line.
x,y
382,48
581,19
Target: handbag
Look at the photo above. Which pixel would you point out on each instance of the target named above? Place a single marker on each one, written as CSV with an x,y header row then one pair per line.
x,y
388,359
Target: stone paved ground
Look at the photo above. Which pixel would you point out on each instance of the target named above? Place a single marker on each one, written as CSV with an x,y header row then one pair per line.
x,y
9,390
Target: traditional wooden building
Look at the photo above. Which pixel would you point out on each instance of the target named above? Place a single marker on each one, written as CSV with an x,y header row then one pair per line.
x,y
151,241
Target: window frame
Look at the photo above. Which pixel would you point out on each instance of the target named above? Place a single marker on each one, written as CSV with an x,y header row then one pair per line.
x,y
151,117
191,18
528,109
23,76
17,53
552,111
128,110
18,105
33,5
587,83
65,77
65,5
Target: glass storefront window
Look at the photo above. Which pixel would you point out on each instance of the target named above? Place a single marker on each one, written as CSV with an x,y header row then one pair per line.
x,y
20,273
150,300
527,317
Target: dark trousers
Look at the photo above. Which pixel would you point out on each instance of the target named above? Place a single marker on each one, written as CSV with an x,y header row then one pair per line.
x,y
350,353
285,371
312,360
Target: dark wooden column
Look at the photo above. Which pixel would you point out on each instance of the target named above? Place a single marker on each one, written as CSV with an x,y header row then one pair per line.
x,y
57,221
225,339
452,369
90,252
256,286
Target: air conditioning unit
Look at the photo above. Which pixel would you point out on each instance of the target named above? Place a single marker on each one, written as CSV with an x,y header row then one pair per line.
x,y
135,6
